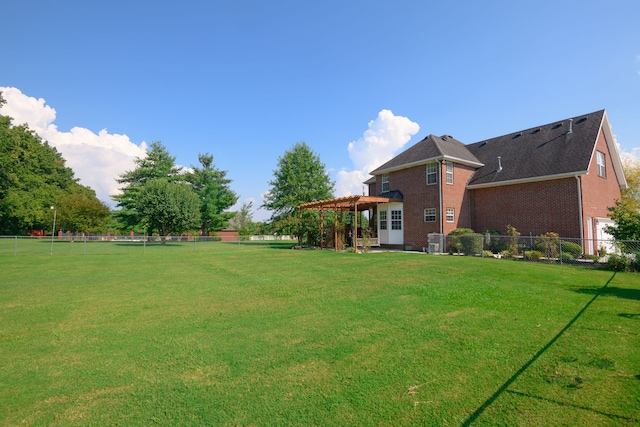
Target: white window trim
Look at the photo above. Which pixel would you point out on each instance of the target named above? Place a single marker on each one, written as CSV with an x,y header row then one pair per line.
x,y
385,182
450,215
434,173
383,220
434,214
601,161
449,173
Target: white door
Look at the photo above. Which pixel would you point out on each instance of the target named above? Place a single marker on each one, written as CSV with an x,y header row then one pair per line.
x,y
605,240
391,223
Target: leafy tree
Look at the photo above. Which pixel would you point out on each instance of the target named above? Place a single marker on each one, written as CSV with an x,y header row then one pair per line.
x,y
33,176
626,212
166,207
627,222
630,196
300,177
243,220
212,189
81,212
157,164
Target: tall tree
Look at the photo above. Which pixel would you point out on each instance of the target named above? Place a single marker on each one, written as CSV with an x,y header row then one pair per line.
x,y
33,176
168,207
243,220
300,177
157,164
212,188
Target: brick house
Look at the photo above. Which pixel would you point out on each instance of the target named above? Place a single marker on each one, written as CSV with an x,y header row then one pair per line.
x,y
558,177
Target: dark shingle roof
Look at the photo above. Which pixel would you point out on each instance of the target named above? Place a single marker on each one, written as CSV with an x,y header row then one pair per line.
x,y
541,151
431,148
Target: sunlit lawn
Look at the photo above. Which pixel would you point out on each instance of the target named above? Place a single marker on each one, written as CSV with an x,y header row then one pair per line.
x,y
254,335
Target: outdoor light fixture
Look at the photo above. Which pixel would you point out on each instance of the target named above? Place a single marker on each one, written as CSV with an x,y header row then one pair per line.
x,y
53,230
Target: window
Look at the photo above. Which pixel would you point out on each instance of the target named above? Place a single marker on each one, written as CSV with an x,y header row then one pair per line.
x,y
430,215
601,169
385,182
396,220
383,220
451,215
432,173
449,173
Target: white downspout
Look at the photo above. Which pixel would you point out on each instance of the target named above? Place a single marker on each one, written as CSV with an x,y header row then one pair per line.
x,y
440,194
580,213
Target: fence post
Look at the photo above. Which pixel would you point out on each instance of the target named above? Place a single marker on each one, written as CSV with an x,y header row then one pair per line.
x,y
560,250
15,246
85,244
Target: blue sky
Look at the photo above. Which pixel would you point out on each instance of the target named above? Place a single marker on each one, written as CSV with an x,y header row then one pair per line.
x,y
358,81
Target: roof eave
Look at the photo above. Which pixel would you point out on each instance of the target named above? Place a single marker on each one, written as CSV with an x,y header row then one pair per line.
x,y
613,151
424,162
526,180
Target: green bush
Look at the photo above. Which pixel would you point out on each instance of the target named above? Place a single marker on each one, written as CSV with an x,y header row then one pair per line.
x,y
487,254
618,263
634,262
566,256
471,244
572,248
456,244
533,255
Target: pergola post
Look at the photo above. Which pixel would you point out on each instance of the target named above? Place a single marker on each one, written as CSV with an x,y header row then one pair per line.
x,y
355,226
321,225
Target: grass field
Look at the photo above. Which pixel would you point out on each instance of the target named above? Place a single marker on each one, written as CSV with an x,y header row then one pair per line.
x,y
256,335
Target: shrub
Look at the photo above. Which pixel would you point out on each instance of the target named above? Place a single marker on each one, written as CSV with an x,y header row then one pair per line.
x,y
487,254
566,256
471,244
549,244
456,244
533,255
574,249
617,263
634,262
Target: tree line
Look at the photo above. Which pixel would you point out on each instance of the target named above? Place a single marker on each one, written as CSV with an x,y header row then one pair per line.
x,y
157,197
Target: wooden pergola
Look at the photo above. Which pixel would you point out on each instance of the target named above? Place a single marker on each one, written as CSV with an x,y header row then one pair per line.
x,y
345,204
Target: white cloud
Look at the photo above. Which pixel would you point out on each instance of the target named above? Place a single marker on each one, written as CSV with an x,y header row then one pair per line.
x,y
385,136
96,159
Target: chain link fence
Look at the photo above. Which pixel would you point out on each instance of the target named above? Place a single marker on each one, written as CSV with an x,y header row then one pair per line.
x,y
88,244
621,255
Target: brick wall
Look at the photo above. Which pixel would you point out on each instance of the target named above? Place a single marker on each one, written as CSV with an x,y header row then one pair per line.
x,y
536,207
598,193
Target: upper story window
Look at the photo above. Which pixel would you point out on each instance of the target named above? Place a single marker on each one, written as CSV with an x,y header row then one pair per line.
x,y
601,165
432,173
449,173
385,182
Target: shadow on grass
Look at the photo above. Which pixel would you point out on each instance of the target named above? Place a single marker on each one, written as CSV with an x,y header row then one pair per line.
x,y
586,408
535,357
613,291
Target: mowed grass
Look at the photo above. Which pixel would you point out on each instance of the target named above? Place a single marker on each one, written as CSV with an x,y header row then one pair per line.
x,y
260,336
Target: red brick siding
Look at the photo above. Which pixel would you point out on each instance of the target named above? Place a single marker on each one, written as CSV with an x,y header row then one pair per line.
x,y
598,193
457,196
536,207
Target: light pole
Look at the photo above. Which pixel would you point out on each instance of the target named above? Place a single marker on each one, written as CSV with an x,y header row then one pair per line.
x,y
53,230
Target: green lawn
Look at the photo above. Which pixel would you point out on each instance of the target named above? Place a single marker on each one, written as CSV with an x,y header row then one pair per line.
x,y
255,335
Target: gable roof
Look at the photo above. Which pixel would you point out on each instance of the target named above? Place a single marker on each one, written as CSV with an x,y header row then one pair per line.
x,y
431,148
554,150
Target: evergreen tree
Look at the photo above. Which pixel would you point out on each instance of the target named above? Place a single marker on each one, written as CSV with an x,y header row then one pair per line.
x,y
300,178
